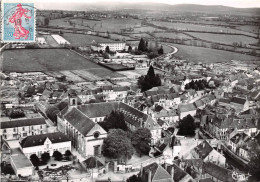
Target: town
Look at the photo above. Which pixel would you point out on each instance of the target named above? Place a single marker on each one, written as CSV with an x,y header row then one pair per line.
x,y
132,96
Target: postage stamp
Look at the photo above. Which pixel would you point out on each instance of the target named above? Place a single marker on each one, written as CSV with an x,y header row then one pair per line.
x,y
18,21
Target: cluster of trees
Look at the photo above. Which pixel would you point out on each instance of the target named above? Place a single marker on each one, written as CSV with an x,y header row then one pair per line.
x,y
115,120
45,157
153,52
149,81
58,156
197,85
254,163
118,145
187,126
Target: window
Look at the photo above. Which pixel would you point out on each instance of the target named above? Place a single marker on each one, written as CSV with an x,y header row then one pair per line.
x,y
47,146
14,129
24,134
23,128
4,130
96,134
41,126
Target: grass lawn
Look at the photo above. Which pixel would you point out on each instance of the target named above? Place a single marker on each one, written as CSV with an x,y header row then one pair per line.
x,y
24,60
206,55
224,38
83,40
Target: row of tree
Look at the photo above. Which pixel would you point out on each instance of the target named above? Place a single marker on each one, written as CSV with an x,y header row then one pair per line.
x,y
197,85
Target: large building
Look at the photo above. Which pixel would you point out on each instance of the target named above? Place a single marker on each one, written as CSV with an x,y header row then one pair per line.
x,y
113,46
79,123
12,129
50,142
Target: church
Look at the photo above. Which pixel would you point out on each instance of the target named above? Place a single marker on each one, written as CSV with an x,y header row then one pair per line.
x,y
79,123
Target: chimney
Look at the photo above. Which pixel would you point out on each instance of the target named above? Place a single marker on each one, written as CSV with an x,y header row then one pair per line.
x,y
149,176
172,172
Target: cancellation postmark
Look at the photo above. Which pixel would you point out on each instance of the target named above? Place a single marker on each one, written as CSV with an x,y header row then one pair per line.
x,y
18,21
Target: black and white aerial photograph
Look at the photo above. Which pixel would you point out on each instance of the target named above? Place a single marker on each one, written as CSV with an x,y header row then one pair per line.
x,y
130,90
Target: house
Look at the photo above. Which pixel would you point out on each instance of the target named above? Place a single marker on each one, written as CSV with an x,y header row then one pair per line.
x,y
239,104
237,141
178,174
12,129
186,109
50,142
21,165
155,173
216,173
205,152
113,46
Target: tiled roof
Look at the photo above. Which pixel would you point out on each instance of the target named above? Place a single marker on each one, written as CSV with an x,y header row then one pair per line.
x,y
198,103
79,120
238,100
157,173
186,107
218,172
179,174
120,89
22,122
92,162
203,149
36,140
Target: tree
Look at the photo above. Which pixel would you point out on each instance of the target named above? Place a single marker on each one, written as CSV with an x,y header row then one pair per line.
x,y
149,81
68,154
107,49
17,114
57,155
117,145
130,48
52,112
134,178
45,157
160,51
152,55
105,55
115,120
187,126
141,140
142,45
35,160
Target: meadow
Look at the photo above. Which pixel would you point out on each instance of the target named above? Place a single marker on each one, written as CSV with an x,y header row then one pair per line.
x,y
224,38
207,55
172,35
111,25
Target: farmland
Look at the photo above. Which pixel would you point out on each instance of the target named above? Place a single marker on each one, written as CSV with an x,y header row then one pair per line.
x,y
172,35
111,25
45,60
224,38
83,40
206,55
196,27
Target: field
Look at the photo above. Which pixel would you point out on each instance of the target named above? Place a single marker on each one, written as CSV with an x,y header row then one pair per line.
x,y
146,29
111,25
172,35
206,55
209,28
83,40
248,28
63,22
44,60
224,38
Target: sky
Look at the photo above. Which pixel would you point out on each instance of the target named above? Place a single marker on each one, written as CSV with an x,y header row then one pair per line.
x,y
231,3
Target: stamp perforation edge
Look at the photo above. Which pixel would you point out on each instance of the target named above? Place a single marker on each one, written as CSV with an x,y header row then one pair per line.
x,y
2,21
